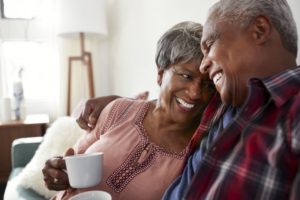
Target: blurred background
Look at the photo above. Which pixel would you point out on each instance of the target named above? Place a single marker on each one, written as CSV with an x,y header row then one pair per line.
x,y
35,47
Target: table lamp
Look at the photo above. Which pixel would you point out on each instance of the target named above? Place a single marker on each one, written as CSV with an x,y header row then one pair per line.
x,y
81,18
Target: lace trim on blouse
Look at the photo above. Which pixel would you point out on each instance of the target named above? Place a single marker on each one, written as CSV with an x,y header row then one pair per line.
x,y
141,157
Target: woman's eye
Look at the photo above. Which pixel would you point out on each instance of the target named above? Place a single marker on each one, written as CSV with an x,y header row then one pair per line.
x,y
186,76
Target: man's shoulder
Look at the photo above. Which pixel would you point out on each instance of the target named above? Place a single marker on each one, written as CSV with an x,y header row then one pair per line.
x,y
283,87
291,119
297,97
295,106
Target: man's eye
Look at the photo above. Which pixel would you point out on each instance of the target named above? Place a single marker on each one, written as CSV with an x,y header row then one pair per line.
x,y
208,45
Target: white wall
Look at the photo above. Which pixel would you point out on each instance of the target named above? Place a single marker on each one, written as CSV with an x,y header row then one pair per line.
x,y
124,61
135,27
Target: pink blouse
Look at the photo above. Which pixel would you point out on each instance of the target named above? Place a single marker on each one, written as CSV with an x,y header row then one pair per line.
x,y
134,167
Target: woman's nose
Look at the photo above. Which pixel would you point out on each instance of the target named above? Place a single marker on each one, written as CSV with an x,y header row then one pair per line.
x,y
194,90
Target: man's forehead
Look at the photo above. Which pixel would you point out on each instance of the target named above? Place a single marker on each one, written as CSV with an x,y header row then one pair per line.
x,y
209,29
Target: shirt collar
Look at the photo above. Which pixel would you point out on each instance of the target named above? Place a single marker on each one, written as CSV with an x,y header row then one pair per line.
x,y
283,85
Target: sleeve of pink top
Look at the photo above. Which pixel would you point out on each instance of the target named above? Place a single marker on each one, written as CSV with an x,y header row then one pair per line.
x,y
90,137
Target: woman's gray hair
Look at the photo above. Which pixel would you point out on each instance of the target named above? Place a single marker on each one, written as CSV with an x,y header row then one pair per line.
x,y
244,11
180,44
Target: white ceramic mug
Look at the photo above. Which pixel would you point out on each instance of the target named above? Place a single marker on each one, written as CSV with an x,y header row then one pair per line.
x,y
84,170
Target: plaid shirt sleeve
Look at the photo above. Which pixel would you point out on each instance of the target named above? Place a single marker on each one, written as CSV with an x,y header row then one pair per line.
x,y
295,146
258,155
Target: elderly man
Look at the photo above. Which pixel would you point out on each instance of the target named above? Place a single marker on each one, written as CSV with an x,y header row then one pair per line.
x,y
250,49
251,148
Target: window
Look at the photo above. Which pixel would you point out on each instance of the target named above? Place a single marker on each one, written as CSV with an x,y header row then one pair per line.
x,y
20,9
40,78
30,44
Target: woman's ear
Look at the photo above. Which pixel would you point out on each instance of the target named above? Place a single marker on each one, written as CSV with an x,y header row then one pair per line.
x,y
160,74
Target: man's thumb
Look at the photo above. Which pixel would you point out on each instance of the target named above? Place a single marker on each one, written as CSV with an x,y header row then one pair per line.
x,y
94,117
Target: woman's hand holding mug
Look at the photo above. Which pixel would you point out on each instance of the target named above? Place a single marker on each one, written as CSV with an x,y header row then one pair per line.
x,y
55,176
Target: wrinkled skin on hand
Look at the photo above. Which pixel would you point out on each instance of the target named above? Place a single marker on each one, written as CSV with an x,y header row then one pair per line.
x,y
90,111
55,177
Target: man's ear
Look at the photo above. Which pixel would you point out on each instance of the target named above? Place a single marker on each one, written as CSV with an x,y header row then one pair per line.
x,y
160,74
262,28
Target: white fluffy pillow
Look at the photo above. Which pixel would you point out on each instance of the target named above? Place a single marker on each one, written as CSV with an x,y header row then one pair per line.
x,y
61,135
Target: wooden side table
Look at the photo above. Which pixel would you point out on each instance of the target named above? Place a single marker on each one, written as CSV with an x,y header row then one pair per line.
x,y
33,125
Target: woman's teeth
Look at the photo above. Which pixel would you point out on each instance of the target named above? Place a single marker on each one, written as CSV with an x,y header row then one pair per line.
x,y
185,104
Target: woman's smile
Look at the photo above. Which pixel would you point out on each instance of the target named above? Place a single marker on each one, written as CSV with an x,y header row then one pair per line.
x,y
184,105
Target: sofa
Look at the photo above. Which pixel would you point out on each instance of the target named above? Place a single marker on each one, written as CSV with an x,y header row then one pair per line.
x,y
23,150
29,156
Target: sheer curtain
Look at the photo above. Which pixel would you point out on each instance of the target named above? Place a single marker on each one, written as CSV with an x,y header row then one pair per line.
x,y
44,58
33,63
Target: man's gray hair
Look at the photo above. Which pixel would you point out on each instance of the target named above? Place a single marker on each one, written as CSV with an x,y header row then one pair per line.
x,y
180,44
243,12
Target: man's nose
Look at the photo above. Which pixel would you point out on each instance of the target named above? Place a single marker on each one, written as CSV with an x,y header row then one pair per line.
x,y
205,65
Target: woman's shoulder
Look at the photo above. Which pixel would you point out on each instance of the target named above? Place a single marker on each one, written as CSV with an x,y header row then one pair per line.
x,y
120,110
123,106
126,103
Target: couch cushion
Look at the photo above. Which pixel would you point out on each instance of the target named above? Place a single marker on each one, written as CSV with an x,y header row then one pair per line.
x,y
61,135
16,171
14,190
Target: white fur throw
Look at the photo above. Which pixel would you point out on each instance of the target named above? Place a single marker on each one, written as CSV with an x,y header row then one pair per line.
x,y
61,135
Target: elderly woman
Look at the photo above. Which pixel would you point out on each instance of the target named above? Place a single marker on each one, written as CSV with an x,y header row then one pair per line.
x,y
149,140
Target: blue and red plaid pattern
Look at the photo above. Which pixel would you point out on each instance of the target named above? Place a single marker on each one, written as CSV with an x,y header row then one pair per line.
x,y
257,156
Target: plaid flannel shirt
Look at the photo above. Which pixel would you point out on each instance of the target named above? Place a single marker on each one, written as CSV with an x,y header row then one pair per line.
x,y
257,156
